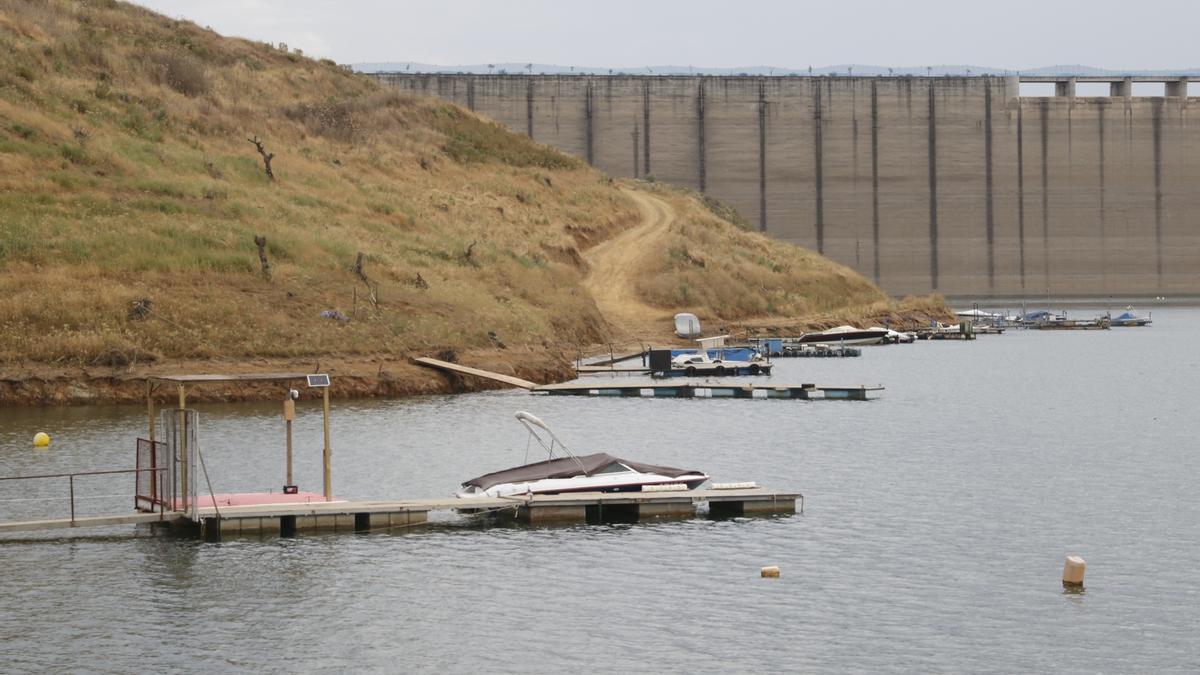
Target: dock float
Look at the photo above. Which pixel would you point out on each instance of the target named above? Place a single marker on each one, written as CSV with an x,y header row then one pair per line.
x,y
288,519
702,388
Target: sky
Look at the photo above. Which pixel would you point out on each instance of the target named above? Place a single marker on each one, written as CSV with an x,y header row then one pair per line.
x,y
1015,34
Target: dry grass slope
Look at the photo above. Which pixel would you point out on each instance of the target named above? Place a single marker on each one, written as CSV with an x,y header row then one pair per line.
x,y
126,174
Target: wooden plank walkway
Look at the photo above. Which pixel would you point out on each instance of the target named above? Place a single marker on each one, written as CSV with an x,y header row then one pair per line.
x,y
90,521
467,370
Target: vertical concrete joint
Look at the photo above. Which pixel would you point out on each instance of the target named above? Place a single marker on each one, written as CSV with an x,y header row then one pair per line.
x,y
529,108
762,155
636,151
1044,107
1021,192
1156,118
989,216
700,134
875,177
646,126
933,196
819,164
587,115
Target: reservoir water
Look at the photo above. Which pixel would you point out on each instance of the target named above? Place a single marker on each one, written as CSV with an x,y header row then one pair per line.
x,y
937,520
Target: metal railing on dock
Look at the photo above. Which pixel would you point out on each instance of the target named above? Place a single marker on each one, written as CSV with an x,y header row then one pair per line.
x,y
71,483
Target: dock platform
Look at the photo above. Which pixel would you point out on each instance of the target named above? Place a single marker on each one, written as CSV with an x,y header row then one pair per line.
x,y
287,519
702,388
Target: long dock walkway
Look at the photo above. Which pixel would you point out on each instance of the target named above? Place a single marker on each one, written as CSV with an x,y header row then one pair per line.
x,y
287,519
706,388
87,521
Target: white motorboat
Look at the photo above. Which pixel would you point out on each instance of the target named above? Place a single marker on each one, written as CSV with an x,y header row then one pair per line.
x,y
563,471
846,335
895,336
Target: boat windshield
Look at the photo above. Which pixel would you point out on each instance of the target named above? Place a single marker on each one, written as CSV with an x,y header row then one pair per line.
x,y
615,467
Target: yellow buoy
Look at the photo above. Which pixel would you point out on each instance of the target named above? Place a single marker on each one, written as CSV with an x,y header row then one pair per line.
x,y
770,572
1073,571
41,439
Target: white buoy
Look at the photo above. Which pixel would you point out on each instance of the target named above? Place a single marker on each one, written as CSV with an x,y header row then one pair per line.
x,y
41,440
1073,571
770,572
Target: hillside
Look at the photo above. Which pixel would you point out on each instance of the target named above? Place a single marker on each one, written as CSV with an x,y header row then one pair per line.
x,y
132,195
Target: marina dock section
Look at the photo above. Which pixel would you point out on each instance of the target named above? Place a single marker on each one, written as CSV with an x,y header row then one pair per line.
x,y
707,388
287,518
680,387
172,487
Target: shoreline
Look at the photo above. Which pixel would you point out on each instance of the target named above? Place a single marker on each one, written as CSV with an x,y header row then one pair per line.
x,y
367,376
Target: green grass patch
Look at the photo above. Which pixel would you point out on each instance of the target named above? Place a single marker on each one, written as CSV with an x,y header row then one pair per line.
x,y
470,139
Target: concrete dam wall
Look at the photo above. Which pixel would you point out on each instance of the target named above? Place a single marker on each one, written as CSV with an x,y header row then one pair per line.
x,y
949,184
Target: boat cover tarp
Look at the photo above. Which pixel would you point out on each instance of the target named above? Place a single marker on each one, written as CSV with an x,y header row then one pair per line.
x,y
1128,316
566,467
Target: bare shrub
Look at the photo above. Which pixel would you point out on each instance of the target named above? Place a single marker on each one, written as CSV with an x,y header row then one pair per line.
x,y
182,72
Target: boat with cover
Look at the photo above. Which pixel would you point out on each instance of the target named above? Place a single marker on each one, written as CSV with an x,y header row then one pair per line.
x,y
847,335
1130,318
563,471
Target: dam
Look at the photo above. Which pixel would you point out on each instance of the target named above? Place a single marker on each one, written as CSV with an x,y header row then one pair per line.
x,y
957,185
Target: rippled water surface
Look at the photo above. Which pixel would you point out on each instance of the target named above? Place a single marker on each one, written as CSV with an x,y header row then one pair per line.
x,y
936,525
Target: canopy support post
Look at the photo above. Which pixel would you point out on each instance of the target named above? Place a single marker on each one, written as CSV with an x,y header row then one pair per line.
x,y
325,415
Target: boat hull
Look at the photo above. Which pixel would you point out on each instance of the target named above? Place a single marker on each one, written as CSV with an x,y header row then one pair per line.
x,y
598,483
859,337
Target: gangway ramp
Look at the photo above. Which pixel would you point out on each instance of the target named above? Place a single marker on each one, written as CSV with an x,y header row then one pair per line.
x,y
467,370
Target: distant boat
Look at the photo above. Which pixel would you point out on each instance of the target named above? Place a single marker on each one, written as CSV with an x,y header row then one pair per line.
x,y
598,472
1128,318
895,336
846,335
1039,318
978,314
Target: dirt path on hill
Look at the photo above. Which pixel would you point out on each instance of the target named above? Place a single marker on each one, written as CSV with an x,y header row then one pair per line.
x,y
616,265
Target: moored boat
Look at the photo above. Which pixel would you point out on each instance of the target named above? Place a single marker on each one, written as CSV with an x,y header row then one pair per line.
x,y
846,335
1129,318
563,471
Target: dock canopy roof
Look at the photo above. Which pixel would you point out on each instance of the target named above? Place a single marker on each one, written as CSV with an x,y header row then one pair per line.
x,y
244,377
567,467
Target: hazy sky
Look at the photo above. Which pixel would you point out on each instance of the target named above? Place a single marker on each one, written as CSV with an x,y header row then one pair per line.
x,y
1015,34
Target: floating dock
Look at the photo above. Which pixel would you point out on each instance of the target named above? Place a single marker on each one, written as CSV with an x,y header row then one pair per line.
x,y
290,518
168,491
701,388
685,387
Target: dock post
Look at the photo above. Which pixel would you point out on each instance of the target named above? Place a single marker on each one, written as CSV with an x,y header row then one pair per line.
x,y
289,414
183,445
152,434
328,481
